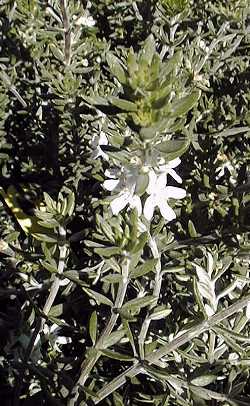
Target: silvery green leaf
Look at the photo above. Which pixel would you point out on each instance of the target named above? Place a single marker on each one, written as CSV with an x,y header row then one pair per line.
x,y
148,51
116,67
210,263
51,223
70,203
232,131
200,394
205,285
159,313
173,148
44,215
107,230
93,327
203,380
45,238
123,104
74,277
171,65
57,321
51,267
113,264
57,52
99,298
143,269
191,229
56,311
113,338
185,104
141,184
138,303
142,240
132,63
112,278
96,100
117,355
108,251
236,336
49,201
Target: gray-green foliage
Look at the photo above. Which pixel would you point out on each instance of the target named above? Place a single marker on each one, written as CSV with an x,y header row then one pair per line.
x,y
139,313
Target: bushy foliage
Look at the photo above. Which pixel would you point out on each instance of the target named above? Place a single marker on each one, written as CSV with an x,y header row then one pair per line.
x,y
130,289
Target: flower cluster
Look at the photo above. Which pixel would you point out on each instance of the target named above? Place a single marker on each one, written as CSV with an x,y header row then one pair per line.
x,y
127,185
140,184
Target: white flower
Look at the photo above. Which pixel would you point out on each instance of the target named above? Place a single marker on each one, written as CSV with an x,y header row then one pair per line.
x,y
85,62
220,171
203,46
96,143
85,20
167,169
160,166
124,183
225,163
56,340
159,194
248,311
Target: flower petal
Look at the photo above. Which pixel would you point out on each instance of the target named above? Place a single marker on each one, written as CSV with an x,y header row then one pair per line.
x,y
175,192
95,141
161,182
136,202
112,173
174,163
103,139
175,175
166,211
149,207
119,203
110,184
152,178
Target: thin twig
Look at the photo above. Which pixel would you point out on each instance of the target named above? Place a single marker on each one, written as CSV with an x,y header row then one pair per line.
x,y
90,362
154,357
46,309
156,294
6,80
67,31
181,383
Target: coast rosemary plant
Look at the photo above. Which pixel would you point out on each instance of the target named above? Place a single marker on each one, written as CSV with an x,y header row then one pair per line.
x,y
124,129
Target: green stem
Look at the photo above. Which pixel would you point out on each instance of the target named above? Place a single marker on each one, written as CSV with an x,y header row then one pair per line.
x,y
67,31
176,381
156,294
46,309
172,346
90,362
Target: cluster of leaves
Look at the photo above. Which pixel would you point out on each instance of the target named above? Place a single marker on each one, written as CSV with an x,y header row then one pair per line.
x,y
132,314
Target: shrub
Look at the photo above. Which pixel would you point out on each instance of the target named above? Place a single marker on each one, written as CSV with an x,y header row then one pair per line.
x,y
119,285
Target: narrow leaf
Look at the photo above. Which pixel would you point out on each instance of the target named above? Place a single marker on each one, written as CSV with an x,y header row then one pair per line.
x,y
138,303
191,229
173,148
203,380
56,311
117,355
44,237
143,269
159,313
182,106
93,327
113,338
99,298
116,67
112,278
123,104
